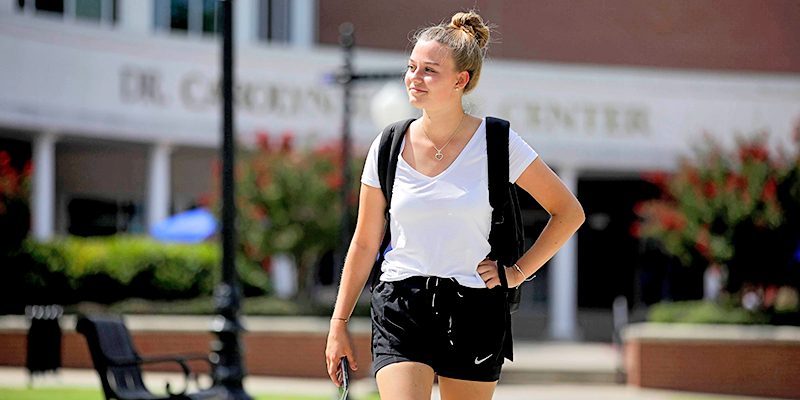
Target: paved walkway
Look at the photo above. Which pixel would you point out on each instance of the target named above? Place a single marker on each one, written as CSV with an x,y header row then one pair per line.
x,y
17,377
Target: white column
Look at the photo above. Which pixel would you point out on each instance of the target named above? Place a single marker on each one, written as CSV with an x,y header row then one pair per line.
x,y
44,186
8,6
195,23
245,17
107,13
303,24
136,16
158,184
563,282
69,10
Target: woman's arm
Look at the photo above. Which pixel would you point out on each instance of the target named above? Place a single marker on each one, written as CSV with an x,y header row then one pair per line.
x,y
566,216
363,250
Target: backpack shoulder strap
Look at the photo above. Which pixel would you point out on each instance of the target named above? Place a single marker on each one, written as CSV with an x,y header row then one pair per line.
x,y
497,160
388,152
497,156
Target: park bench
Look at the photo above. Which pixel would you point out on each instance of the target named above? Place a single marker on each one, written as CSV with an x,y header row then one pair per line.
x,y
120,366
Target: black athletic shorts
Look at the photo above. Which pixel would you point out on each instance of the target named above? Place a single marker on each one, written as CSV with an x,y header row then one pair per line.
x,y
457,330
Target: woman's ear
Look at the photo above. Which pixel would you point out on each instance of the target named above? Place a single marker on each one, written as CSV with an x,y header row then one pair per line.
x,y
463,79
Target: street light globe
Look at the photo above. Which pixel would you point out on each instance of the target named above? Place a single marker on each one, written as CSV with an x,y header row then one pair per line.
x,y
390,104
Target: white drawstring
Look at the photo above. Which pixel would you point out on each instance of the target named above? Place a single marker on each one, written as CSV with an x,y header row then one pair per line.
x,y
433,301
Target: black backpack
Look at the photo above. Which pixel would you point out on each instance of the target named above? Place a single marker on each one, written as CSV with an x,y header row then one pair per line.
x,y
506,235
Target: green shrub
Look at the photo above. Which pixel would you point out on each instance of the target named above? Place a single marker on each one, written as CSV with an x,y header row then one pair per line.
x,y
108,269
703,312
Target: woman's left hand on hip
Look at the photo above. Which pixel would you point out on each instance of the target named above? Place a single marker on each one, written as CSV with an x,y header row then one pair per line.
x,y
491,277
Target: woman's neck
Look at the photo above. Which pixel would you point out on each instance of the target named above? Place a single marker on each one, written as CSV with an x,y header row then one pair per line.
x,y
439,125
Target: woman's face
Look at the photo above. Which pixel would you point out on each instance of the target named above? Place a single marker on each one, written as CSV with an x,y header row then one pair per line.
x,y
431,78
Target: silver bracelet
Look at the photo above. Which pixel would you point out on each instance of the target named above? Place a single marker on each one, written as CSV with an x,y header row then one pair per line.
x,y
523,274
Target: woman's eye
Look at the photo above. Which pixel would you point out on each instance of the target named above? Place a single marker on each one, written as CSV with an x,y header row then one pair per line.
x,y
411,67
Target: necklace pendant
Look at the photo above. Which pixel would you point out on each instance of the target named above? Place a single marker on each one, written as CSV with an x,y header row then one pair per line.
x,y
438,156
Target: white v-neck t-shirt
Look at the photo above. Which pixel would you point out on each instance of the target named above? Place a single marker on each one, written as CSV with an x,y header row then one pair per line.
x,y
440,225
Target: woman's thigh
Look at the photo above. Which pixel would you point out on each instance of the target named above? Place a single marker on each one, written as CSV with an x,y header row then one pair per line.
x,y
405,380
457,389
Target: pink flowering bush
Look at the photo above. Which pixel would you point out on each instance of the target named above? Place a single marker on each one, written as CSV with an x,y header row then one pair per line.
x,y
287,201
14,202
738,211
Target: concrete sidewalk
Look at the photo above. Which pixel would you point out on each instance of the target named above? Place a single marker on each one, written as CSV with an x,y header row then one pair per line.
x,y
557,362
15,377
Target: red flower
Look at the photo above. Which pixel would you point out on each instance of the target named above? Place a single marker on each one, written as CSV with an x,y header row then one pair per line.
x,y
206,199
756,152
769,295
769,190
636,229
5,165
702,242
639,207
5,159
710,189
746,199
266,264
334,180
352,199
330,149
28,168
258,213
672,220
262,140
13,179
250,251
694,178
263,180
287,140
657,178
216,168
735,181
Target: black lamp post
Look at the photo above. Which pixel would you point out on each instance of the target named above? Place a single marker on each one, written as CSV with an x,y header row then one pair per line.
x,y
347,78
229,371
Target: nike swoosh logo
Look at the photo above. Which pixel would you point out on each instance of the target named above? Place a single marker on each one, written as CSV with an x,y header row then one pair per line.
x,y
478,362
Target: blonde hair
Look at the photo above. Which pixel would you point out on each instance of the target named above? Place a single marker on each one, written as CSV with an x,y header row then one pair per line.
x,y
466,36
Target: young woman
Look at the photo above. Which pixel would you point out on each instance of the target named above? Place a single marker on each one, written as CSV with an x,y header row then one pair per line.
x,y
435,310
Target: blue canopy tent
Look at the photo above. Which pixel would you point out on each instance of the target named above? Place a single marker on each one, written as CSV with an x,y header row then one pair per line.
x,y
191,226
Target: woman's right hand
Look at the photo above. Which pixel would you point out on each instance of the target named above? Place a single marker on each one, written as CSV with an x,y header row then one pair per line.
x,y
339,345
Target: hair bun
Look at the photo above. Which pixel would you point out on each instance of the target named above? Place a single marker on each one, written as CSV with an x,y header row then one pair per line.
x,y
471,23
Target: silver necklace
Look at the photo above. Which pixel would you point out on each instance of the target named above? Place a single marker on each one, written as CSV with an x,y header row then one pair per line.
x,y
438,156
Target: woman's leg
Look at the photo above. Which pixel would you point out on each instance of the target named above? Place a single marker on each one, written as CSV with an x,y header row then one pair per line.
x,y
457,389
406,380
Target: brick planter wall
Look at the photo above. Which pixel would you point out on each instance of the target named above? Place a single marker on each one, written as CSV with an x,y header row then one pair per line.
x,y
274,346
725,359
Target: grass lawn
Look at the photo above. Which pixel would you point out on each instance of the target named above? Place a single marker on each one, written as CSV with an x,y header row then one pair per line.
x,y
96,394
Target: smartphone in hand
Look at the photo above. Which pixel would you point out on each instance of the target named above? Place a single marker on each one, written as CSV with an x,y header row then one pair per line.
x,y
345,373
